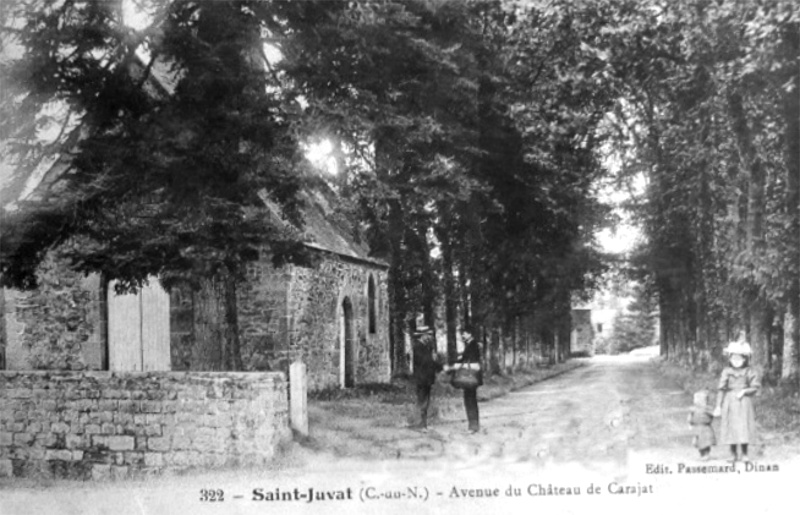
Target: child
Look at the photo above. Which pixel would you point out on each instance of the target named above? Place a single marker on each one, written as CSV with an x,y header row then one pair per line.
x,y
700,418
737,386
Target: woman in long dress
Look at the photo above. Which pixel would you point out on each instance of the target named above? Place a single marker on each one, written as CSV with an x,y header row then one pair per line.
x,y
737,386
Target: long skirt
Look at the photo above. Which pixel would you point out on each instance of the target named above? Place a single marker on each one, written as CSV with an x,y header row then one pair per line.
x,y
738,423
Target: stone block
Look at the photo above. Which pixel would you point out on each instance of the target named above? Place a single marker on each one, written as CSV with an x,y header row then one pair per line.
x,y
92,429
19,393
151,407
107,405
58,454
298,381
6,438
17,427
126,406
158,443
60,428
23,438
121,443
123,418
36,453
73,441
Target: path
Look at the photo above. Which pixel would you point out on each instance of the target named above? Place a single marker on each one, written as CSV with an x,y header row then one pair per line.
x,y
601,424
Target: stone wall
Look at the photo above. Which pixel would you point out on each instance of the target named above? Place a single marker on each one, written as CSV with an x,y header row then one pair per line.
x,y
284,314
101,425
59,325
315,307
2,328
295,313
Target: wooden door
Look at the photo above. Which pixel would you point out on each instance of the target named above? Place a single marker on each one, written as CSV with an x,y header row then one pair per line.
x,y
138,329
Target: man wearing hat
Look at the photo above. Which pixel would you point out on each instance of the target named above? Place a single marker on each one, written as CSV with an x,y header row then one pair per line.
x,y
425,369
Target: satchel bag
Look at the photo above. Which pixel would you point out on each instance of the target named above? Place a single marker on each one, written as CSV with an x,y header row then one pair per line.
x,y
464,377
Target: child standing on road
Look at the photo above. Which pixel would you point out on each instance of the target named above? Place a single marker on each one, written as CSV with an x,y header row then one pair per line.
x,y
737,386
700,418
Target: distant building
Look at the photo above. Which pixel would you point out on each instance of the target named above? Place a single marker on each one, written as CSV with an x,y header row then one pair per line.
x,y
582,334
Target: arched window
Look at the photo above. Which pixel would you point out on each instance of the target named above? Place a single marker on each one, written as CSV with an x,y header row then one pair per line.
x,y
348,344
371,305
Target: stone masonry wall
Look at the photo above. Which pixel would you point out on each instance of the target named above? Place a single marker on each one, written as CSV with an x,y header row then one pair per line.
x,y
2,329
98,425
315,307
57,326
295,313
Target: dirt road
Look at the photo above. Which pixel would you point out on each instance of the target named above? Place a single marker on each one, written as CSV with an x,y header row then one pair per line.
x,y
613,426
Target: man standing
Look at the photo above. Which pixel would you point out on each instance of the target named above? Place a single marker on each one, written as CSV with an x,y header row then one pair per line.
x,y
471,358
425,369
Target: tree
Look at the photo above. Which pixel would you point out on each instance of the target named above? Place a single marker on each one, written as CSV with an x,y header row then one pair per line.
x,y
709,104
172,155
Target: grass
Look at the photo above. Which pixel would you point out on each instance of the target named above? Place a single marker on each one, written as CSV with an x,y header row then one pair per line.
x,y
777,405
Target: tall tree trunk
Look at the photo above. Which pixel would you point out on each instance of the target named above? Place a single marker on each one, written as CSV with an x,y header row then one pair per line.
x,y
466,308
791,333
514,342
398,305
232,346
527,329
386,163
450,300
754,227
494,349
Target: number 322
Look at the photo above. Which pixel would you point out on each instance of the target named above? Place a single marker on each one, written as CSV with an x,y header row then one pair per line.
x,y
211,495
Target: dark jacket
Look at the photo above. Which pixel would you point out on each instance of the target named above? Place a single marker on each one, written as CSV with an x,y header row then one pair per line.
x,y
425,365
472,354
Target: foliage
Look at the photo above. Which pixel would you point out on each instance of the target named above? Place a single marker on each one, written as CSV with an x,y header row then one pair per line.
x,y
709,115
172,152
469,137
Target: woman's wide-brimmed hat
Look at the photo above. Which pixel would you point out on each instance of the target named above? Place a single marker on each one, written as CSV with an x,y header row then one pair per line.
x,y
738,347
